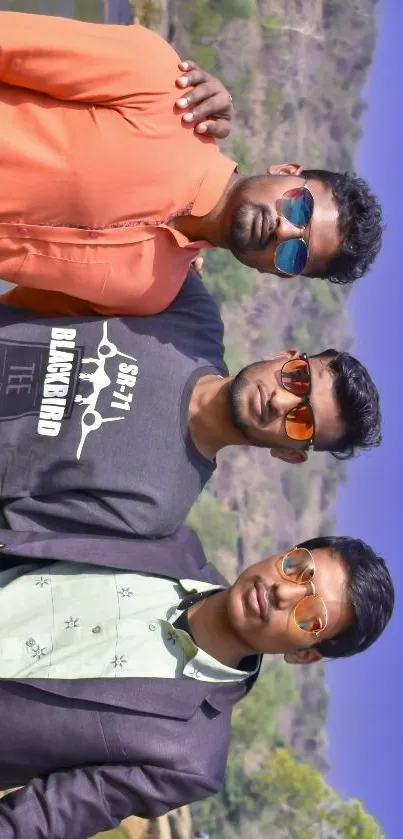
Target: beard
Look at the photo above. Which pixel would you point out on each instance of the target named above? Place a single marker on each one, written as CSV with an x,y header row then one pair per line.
x,y
235,393
241,227
244,217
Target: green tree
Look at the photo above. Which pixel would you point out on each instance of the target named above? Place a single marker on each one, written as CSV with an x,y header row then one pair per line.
x,y
226,279
216,525
254,734
303,806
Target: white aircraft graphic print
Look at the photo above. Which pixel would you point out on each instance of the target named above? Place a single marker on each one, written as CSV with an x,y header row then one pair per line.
x,y
91,419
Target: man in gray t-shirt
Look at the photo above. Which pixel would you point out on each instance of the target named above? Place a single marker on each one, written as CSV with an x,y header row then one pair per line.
x,y
93,417
113,425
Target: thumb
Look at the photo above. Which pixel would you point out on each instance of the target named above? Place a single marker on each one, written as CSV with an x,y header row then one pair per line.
x,y
198,265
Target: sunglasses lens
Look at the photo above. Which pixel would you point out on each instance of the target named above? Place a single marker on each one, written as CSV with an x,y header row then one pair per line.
x,y
299,423
310,614
297,206
291,256
298,566
296,376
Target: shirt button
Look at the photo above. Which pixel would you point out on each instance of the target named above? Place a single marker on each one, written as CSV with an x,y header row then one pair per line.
x,y
94,234
30,642
22,230
152,626
96,630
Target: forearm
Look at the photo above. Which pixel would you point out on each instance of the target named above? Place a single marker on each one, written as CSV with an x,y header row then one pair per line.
x,y
79,803
68,805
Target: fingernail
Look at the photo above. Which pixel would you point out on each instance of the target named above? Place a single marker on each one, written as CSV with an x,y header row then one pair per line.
x,y
188,117
202,128
182,103
185,65
183,80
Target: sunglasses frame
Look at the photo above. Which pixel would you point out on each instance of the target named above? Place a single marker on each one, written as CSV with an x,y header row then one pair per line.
x,y
301,238
304,583
306,399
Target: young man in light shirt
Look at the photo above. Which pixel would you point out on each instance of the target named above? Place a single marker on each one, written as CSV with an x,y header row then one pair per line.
x,y
121,661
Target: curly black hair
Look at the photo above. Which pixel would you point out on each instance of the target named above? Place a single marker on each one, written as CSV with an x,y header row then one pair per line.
x,y
360,225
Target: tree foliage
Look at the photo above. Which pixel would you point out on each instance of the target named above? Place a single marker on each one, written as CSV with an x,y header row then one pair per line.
x,y
288,799
226,279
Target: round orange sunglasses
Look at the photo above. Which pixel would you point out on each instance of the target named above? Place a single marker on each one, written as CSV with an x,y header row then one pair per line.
x,y
310,614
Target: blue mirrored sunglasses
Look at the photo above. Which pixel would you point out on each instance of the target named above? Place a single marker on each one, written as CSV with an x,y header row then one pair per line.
x,y
297,206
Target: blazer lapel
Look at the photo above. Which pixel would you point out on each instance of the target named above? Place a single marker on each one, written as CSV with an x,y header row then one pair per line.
x,y
178,556
176,698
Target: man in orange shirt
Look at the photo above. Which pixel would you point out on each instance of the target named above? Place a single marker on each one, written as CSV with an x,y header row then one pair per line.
x,y
107,196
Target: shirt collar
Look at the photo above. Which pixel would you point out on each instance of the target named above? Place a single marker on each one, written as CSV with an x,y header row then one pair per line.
x,y
211,189
213,184
201,665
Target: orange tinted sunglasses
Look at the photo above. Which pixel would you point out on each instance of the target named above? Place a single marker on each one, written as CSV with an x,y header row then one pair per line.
x,y
310,614
296,379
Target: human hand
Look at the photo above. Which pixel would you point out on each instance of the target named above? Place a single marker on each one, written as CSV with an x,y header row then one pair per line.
x,y
208,106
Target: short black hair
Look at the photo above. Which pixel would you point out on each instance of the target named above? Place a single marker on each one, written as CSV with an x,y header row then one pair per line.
x,y
360,225
358,401
370,591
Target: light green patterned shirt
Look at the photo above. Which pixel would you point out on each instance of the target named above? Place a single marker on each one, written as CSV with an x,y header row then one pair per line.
x,y
66,620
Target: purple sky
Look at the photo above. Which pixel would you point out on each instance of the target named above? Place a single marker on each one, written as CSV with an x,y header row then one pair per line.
x,y
366,711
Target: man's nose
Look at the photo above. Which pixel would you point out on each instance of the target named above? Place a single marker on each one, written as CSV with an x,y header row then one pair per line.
x,y
288,594
286,230
282,401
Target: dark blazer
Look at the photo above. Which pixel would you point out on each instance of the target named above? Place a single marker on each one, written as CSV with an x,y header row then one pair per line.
x,y
90,752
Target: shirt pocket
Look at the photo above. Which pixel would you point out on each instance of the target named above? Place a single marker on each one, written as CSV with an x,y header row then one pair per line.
x,y
85,280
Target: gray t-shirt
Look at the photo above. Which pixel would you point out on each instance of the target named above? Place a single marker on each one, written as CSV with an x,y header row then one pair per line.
x,y
93,417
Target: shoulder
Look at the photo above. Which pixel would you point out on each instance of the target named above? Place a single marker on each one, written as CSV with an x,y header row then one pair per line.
x,y
198,317
187,539
156,49
193,289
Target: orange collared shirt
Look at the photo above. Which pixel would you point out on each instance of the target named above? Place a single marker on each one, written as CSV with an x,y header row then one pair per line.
x,y
94,163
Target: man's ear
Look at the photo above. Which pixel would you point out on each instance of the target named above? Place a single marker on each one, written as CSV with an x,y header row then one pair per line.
x,y
287,355
294,456
309,656
285,169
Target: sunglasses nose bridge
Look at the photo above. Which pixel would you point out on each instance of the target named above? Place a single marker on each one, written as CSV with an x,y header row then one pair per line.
x,y
284,401
289,594
287,230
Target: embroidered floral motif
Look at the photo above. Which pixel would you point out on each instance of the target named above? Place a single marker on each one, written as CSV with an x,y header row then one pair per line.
x,y
119,661
38,652
125,591
42,581
71,623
